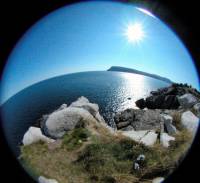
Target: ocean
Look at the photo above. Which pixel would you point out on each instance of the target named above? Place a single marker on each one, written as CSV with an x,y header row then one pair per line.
x,y
112,91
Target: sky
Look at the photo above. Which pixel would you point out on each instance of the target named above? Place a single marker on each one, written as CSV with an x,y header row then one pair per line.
x,y
94,36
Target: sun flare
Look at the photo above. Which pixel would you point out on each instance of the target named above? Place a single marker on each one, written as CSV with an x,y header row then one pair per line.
x,y
134,32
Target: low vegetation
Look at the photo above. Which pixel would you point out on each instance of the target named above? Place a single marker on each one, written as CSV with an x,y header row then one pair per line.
x,y
177,120
87,156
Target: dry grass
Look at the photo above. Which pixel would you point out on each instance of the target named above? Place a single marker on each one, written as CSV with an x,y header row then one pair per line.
x,y
92,154
56,164
177,120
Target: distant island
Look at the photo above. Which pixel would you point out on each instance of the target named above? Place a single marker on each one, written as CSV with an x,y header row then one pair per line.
x,y
124,69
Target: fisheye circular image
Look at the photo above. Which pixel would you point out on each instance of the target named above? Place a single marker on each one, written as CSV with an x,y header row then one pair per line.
x,y
102,92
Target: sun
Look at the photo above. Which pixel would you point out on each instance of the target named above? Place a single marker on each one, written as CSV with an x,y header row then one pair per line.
x,y
134,32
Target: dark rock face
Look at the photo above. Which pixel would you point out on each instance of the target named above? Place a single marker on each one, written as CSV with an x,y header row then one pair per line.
x,y
162,102
124,118
159,102
138,119
167,98
141,103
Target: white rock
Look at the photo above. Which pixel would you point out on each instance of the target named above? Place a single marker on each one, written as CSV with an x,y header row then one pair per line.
x,y
61,121
190,121
81,99
150,138
42,179
99,118
158,180
34,135
147,137
171,129
66,118
83,102
63,106
135,135
165,139
187,100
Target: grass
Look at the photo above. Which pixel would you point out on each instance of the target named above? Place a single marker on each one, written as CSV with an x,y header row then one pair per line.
x,y
177,120
75,138
92,154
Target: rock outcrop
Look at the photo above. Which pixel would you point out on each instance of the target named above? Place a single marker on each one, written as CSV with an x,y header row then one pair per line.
x,y
33,135
196,109
138,119
171,129
161,106
170,98
162,102
42,179
67,118
187,100
190,121
141,103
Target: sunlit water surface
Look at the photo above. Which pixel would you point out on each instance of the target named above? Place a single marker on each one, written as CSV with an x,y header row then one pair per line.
x,y
112,91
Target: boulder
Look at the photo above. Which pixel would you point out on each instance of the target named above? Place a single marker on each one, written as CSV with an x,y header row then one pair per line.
x,y
127,128
187,100
42,179
64,120
147,137
146,120
196,108
190,121
135,135
150,138
141,103
127,115
171,129
138,119
67,118
84,103
165,139
158,180
152,102
33,135
162,102
122,124
170,102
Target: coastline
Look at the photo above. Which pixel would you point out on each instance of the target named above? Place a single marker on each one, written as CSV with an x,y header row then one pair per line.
x,y
167,133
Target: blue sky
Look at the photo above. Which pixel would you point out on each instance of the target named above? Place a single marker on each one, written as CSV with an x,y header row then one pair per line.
x,y
90,36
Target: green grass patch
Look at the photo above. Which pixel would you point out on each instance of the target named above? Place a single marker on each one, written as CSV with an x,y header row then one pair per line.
x,y
75,138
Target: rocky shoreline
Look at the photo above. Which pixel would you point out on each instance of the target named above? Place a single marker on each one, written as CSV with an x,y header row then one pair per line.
x,y
156,114
160,119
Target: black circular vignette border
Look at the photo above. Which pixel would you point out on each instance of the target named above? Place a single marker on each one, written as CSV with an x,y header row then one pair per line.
x,y
18,16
